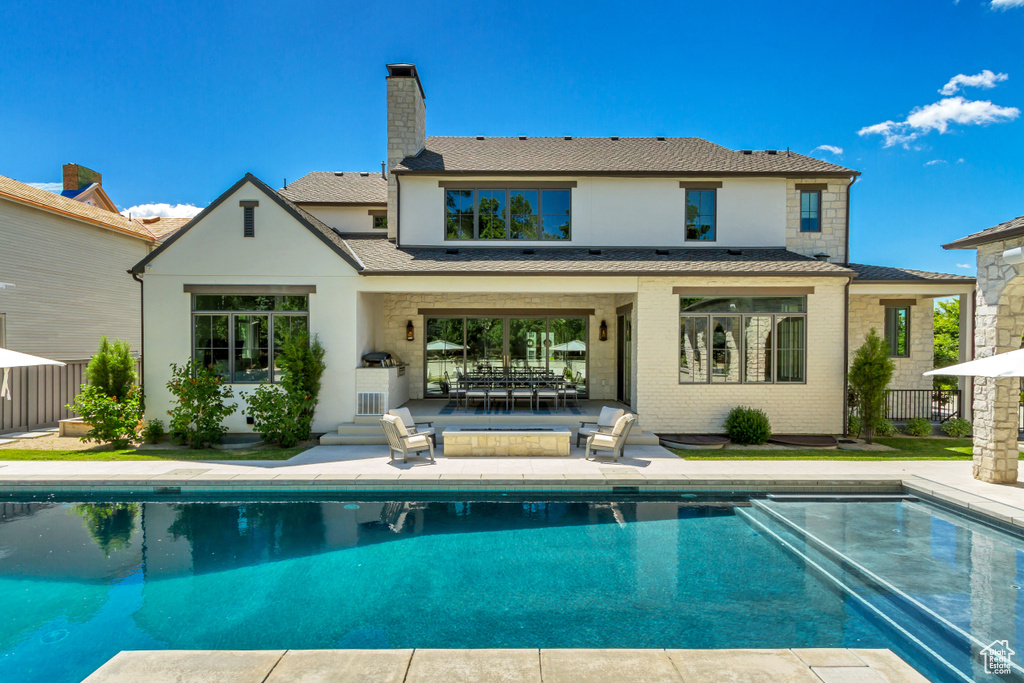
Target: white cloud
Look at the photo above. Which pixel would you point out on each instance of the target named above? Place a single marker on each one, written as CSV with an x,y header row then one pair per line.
x,y
986,80
938,116
936,162
162,210
960,160
831,149
968,266
1006,4
49,187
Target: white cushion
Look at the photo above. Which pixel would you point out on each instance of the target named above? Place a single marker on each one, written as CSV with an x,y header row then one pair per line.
x,y
417,440
587,431
602,440
609,416
620,424
402,431
405,415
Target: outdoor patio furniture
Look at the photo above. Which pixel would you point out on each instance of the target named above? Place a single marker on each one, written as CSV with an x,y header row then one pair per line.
x,y
569,391
605,421
520,392
425,428
456,389
401,441
498,391
613,441
547,390
475,392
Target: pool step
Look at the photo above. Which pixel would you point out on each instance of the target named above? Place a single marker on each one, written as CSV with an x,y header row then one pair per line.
x,y
840,497
352,433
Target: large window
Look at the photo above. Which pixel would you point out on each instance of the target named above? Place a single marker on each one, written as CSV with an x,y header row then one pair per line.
x,y
507,214
897,330
810,211
240,337
749,340
700,215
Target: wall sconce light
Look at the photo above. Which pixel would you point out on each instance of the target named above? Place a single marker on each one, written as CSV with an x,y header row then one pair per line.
x,y
410,332
604,331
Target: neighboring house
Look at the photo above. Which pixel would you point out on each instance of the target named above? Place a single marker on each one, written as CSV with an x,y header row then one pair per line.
x,y
672,274
67,259
85,185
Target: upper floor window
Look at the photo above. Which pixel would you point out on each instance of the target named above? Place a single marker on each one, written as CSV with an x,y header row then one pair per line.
x,y
897,330
380,222
700,214
810,211
507,214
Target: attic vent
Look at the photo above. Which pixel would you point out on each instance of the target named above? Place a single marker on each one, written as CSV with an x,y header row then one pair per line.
x,y
339,173
771,151
746,151
595,252
451,251
660,138
614,137
529,251
248,217
364,173
821,257
734,252
522,137
567,137
661,252
479,137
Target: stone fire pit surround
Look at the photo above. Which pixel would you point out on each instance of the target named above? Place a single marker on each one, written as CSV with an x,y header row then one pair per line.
x,y
527,441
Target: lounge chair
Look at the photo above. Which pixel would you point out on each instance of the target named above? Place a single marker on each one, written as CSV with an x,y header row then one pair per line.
x,y
614,441
605,422
401,441
425,428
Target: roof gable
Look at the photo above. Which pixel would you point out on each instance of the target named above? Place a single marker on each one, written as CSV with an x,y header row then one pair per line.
x,y
1004,231
318,228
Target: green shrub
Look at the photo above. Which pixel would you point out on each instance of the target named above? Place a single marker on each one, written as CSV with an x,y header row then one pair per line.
x,y
153,431
869,378
957,428
918,426
198,414
302,362
748,426
884,427
271,410
110,420
112,369
853,426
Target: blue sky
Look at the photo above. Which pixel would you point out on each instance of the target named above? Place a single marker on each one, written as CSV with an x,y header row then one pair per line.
x,y
173,102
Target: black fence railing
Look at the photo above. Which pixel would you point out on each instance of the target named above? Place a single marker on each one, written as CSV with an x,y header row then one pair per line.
x,y
936,405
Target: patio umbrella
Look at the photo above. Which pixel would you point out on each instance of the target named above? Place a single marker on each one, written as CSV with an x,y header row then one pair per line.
x,y
574,346
1009,364
442,345
13,359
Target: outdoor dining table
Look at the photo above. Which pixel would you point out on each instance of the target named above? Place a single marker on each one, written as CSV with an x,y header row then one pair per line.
x,y
495,381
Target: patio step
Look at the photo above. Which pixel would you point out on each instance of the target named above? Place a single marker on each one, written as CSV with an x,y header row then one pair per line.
x,y
352,433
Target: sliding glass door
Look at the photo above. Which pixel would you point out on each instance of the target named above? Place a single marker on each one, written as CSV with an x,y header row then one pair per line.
x,y
456,346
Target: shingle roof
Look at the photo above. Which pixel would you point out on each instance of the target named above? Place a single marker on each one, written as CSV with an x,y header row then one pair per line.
x,y
1011,228
381,256
162,227
674,156
50,201
866,273
324,187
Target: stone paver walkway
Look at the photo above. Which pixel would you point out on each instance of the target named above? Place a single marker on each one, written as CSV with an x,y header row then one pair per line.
x,y
508,666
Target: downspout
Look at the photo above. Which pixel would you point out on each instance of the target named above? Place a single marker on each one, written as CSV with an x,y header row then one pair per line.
x,y
398,211
846,353
846,254
142,330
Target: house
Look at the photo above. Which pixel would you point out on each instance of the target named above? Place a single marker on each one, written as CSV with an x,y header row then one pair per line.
x,y
66,256
671,274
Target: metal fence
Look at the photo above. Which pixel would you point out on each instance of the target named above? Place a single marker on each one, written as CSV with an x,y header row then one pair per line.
x,y
936,405
39,395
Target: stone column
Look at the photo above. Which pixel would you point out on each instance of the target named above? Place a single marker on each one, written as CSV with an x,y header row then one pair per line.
x,y
999,321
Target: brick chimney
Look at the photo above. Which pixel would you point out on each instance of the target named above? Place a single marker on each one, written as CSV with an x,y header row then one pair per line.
x,y
407,127
76,177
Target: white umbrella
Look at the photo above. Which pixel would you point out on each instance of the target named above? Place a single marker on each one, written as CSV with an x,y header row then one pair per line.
x,y
1009,364
442,345
574,346
13,359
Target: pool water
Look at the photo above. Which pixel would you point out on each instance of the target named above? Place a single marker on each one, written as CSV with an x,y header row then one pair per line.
x,y
81,581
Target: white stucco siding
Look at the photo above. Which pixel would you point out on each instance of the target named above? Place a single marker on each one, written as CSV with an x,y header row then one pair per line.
x,y
283,252
608,212
346,218
71,284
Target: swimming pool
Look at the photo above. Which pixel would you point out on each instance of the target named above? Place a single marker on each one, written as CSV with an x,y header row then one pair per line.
x,y
81,581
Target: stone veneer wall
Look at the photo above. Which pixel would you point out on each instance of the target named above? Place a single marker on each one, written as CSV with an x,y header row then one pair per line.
x,y
665,405
400,308
999,321
407,133
832,238
866,312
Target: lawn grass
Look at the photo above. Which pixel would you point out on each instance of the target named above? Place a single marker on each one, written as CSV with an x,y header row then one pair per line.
x,y
267,453
909,448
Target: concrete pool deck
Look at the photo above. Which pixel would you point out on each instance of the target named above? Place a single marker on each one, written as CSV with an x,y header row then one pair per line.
x,y
820,665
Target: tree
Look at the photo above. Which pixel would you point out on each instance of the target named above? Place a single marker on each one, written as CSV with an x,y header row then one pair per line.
x,y
302,361
869,377
112,369
947,338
